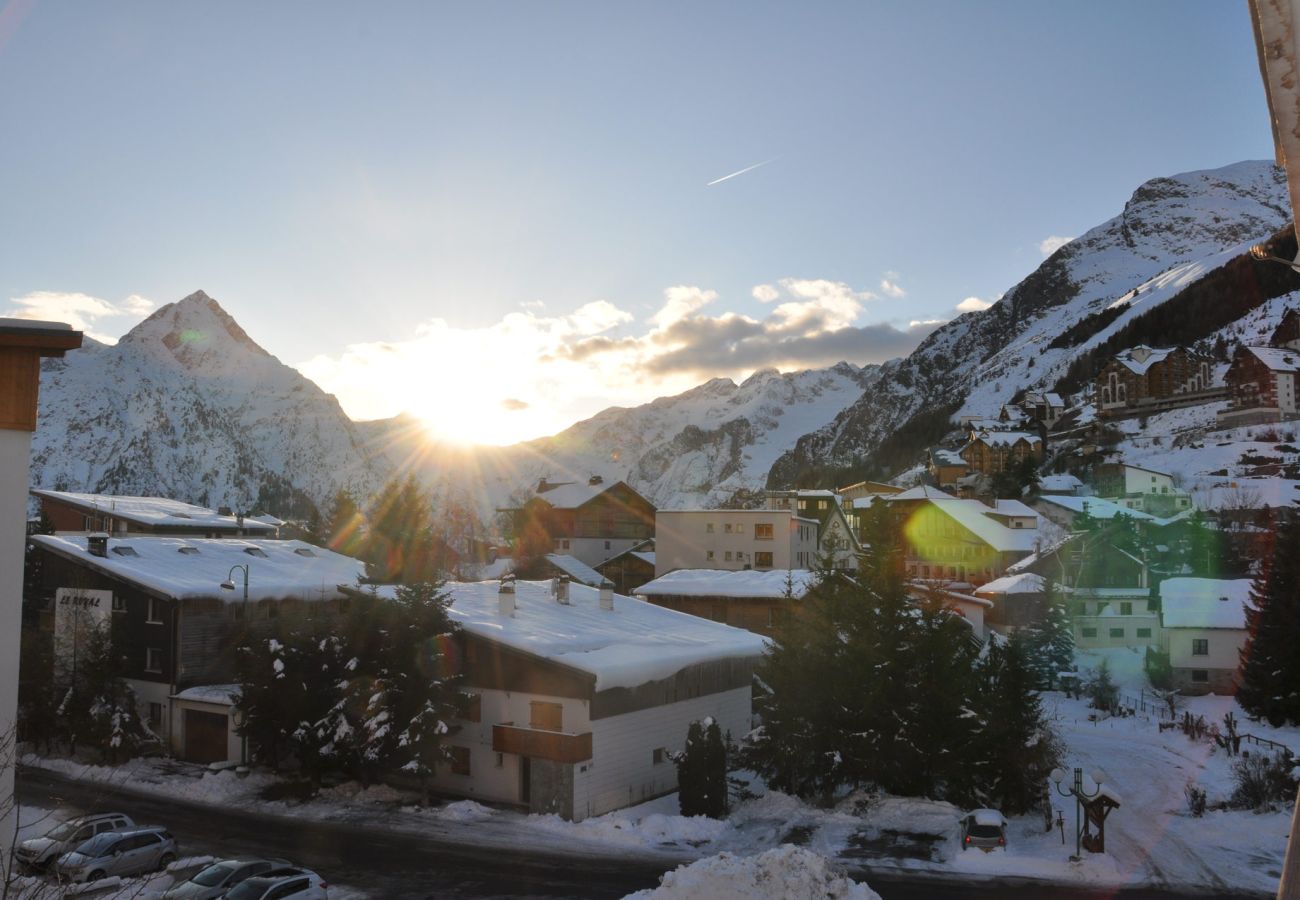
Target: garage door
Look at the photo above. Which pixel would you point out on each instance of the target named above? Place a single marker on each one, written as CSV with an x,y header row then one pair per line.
x,y
205,736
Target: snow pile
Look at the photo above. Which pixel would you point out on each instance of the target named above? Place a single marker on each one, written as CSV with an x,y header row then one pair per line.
x,y
786,873
746,583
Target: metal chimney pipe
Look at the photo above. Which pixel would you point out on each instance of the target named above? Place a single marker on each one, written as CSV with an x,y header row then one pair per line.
x,y
607,594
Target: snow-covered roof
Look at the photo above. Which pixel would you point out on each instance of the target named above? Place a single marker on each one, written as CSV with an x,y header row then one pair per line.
x,y
575,494
1064,482
1278,359
1021,565
268,519
153,511
575,568
1024,583
974,516
1054,399
220,694
647,556
186,567
1098,508
1204,602
1130,361
745,583
1015,508
1005,438
945,457
634,643
921,492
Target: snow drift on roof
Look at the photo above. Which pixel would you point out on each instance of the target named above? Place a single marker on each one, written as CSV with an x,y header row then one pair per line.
x,y
635,643
1065,482
1277,358
221,694
277,569
1130,362
1024,583
575,568
745,583
1204,602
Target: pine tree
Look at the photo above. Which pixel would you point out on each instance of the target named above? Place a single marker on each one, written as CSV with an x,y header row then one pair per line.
x,y
111,721
702,771
690,780
1270,666
399,545
1049,645
344,528
265,700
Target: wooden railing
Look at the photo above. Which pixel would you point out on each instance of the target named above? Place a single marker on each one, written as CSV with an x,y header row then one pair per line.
x,y
557,746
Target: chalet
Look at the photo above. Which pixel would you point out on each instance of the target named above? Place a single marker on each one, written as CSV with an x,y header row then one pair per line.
x,y
947,538
1018,601
631,568
837,537
761,602
1071,512
1135,487
735,539
1063,484
1262,384
991,452
863,489
177,620
73,512
1043,407
946,467
1204,622
591,521
579,698
1147,379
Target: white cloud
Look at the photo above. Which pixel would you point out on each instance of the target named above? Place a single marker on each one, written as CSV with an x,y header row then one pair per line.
x,y
530,374
765,293
973,304
81,311
1050,244
890,287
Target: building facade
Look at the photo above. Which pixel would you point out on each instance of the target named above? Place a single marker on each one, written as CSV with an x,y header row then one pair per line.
x,y
734,539
1147,379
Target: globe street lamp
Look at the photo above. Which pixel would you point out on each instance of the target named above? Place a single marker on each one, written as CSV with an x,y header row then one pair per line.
x,y
1076,790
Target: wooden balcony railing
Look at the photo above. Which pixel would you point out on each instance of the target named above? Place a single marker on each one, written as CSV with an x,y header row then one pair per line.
x,y
556,746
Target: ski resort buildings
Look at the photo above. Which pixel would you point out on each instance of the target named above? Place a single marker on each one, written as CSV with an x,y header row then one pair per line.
x,y
758,601
1205,630
591,521
69,511
1144,379
735,539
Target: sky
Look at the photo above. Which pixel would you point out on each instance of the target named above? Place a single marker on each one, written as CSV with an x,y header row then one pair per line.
x,y
505,217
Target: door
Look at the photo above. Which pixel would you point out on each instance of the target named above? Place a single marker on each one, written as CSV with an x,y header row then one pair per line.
x,y
205,736
525,780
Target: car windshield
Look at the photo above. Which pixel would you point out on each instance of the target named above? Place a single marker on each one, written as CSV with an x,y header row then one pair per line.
x,y
249,890
64,831
214,874
98,845
985,831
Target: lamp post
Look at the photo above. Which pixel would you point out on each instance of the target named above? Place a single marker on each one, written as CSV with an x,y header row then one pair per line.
x,y
1076,790
229,585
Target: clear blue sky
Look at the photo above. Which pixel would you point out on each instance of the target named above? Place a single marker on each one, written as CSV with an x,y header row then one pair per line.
x,y
338,174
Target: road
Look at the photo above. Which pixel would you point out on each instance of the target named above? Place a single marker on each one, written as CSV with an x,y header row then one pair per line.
x,y
399,866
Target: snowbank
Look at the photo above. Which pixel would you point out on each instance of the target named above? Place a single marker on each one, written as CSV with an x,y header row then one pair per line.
x,y
786,873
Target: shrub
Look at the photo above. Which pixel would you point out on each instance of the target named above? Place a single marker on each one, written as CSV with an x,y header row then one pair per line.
x,y
1195,799
1261,781
1158,670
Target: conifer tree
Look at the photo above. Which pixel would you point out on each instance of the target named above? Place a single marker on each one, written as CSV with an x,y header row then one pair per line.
x,y
702,771
1270,666
110,720
344,527
1049,645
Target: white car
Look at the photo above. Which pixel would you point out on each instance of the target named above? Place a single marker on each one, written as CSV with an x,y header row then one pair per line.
x,y
215,880
289,882
985,829
39,853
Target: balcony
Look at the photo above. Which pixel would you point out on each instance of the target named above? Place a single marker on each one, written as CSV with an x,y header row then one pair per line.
x,y
556,746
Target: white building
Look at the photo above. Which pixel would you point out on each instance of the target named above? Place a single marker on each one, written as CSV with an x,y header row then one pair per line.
x,y
578,702
1204,631
734,539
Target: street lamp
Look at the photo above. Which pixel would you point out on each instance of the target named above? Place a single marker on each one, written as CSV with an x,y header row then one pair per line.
x,y
1076,790
229,585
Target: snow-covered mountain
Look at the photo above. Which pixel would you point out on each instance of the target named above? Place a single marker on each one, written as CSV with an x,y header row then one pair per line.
x,y
188,406
1171,232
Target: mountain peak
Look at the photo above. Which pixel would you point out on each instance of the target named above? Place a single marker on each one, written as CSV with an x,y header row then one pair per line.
x,y
193,328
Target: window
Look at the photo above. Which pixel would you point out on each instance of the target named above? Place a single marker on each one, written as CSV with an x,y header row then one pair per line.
x,y
1200,676
255,551
727,556
125,551
708,554
740,528
762,559
1088,632
1200,646
546,716
763,531
119,603
501,760
606,545
474,708
188,551
659,756
155,715
708,528
153,659
459,760
564,543
1126,608
821,504
1144,632
303,551
726,529
154,616
1117,632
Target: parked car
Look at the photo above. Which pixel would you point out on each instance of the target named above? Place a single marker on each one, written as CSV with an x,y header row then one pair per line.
x,y
38,853
985,829
289,881
129,851
221,876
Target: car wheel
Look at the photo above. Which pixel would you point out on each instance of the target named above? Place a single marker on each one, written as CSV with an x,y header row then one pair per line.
x,y
167,860
95,875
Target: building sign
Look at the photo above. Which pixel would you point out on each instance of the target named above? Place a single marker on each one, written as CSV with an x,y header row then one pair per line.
x,y
77,612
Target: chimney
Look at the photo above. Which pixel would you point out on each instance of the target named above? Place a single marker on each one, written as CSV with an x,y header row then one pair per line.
x,y
562,590
223,510
595,479
555,587
97,544
607,594
506,598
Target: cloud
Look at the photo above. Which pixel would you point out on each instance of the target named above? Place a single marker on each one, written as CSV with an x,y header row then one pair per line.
x,y
765,293
973,304
529,374
81,311
890,287
1050,244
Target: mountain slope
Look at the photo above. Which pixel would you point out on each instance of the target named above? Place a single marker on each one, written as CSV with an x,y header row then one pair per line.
x,y
1169,234
188,406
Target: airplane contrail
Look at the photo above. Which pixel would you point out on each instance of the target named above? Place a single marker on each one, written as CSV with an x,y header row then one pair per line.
x,y
742,171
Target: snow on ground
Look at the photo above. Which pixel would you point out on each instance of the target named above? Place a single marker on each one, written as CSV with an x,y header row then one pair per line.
x,y
786,873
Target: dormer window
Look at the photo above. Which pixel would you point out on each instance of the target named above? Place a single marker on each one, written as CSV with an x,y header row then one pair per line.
x,y
305,551
255,551
125,551
188,551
